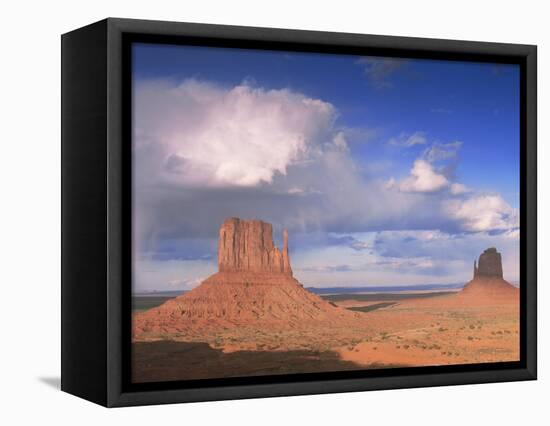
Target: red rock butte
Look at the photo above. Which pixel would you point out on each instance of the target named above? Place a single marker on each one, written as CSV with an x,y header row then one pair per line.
x,y
488,278
254,287
247,246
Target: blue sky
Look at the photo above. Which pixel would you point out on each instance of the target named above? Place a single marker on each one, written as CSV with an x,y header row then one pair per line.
x,y
375,165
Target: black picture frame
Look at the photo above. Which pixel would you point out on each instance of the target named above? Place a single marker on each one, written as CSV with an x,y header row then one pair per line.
x,y
96,212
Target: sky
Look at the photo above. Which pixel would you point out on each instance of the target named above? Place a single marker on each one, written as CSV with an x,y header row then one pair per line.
x,y
385,171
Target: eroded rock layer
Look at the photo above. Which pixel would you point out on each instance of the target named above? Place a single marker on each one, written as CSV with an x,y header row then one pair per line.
x,y
248,246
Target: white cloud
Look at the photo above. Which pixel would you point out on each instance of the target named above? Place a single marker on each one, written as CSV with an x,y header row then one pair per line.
x,y
409,139
483,213
442,151
340,141
419,234
410,263
241,136
512,234
459,188
423,178
296,190
204,152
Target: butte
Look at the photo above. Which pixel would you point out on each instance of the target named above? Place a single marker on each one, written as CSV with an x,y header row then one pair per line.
x,y
254,289
488,281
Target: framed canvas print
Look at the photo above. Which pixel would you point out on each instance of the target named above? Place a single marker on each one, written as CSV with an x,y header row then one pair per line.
x,y
252,212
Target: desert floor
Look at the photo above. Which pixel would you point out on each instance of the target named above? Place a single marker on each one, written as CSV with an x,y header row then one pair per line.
x,y
440,331
415,331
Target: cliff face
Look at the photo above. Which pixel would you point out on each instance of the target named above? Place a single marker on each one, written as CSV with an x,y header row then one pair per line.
x,y
247,246
490,264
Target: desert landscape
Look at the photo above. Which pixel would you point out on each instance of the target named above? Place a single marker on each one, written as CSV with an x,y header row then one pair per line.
x,y
253,317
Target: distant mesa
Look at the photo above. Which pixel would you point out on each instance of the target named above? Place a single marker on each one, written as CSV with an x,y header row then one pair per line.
x,y
253,286
490,264
488,279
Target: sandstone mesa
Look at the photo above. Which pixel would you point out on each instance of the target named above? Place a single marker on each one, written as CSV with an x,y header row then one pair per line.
x,y
253,288
488,278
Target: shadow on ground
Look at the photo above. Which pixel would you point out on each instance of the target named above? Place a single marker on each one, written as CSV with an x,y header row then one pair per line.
x,y
54,382
169,360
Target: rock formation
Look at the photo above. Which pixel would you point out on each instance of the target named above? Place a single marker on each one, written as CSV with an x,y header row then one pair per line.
x,y
490,264
254,288
488,277
248,246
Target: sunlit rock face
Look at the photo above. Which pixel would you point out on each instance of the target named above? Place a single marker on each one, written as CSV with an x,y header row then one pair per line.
x,y
247,246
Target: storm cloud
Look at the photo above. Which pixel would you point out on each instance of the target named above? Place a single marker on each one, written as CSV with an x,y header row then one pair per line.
x,y
203,152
